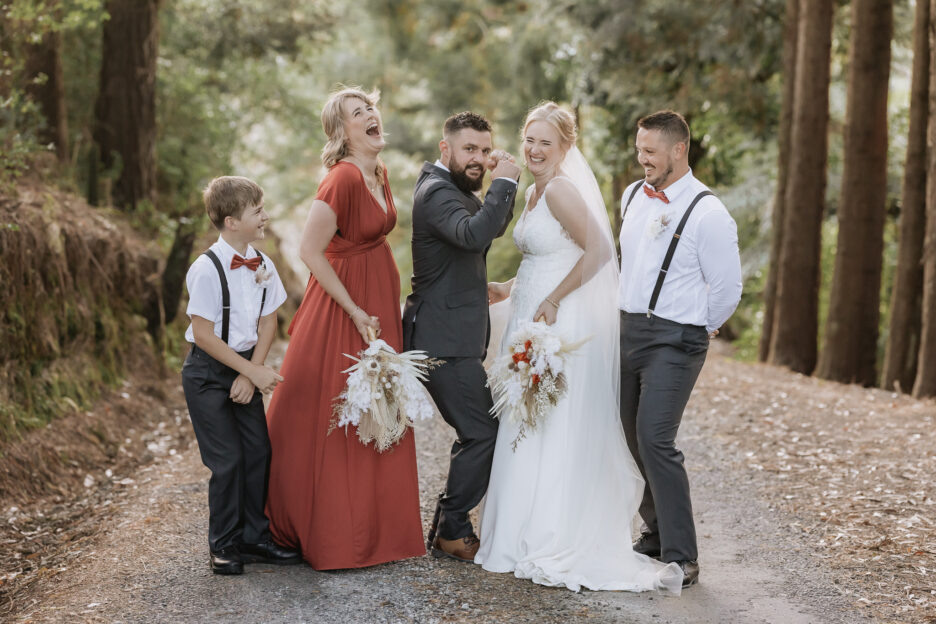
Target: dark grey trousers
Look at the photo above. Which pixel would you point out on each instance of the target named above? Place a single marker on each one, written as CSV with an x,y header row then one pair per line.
x,y
660,362
459,389
234,445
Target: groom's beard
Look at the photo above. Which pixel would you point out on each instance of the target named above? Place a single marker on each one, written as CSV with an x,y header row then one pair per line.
x,y
461,179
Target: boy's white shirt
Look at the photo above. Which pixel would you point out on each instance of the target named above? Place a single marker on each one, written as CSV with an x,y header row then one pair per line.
x,y
204,287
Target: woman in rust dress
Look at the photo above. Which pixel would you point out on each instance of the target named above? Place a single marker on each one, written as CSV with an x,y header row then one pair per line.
x,y
342,503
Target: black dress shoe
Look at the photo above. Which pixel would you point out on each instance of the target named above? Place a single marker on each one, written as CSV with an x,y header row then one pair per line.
x,y
648,545
690,570
268,552
226,561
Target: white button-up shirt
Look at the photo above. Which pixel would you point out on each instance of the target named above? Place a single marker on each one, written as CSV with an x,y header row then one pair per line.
x,y
204,287
703,284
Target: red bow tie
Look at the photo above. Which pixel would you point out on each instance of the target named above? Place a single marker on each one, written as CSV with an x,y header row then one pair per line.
x,y
252,264
658,194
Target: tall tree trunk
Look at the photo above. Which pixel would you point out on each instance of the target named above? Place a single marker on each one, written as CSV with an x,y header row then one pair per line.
x,y
925,384
903,338
795,324
46,87
851,336
125,112
783,156
177,263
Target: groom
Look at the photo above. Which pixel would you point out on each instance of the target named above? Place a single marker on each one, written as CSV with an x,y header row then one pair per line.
x,y
680,281
447,314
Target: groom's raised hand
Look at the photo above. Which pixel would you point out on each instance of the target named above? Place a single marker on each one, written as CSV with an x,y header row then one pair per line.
x,y
502,165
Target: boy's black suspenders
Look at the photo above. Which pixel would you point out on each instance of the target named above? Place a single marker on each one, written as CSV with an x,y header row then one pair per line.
x,y
226,296
672,246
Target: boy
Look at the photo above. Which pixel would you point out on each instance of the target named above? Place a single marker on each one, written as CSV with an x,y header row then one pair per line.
x,y
233,295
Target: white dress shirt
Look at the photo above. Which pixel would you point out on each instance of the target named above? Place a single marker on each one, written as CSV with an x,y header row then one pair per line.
x,y
703,284
204,287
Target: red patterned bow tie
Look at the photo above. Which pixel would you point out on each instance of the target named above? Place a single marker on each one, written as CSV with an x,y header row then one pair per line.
x,y
658,194
252,264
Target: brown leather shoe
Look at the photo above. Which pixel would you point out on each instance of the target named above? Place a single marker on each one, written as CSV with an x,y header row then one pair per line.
x,y
462,549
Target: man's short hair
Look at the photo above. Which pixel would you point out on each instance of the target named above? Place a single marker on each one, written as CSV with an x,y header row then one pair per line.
x,y
463,120
670,123
229,196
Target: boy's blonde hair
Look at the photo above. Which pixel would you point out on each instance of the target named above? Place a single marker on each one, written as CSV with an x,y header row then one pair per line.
x,y
229,196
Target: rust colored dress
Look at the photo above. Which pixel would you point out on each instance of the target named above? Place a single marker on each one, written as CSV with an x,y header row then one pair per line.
x,y
343,504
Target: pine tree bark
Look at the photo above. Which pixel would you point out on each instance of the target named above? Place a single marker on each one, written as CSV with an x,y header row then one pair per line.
x,y
925,384
125,112
795,324
850,351
46,87
790,28
903,338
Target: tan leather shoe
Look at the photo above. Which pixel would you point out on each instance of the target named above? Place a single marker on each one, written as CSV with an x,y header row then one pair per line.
x,y
462,549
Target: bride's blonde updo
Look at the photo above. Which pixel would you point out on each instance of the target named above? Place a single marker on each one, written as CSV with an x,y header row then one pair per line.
x,y
559,118
336,147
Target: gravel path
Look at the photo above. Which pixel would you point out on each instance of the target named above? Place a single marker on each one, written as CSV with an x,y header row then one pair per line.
x,y
148,562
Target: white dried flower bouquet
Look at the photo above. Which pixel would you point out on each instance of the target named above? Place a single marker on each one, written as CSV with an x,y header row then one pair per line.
x,y
384,395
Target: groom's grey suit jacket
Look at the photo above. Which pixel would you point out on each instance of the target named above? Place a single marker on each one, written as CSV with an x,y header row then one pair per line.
x,y
447,314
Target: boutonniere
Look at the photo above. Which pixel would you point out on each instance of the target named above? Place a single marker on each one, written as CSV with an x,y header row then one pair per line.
x,y
658,225
263,276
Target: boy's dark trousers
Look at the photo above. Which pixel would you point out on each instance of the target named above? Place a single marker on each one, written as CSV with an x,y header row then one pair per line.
x,y
234,445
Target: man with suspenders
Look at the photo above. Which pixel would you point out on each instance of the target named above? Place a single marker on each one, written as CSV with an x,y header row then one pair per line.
x,y
680,281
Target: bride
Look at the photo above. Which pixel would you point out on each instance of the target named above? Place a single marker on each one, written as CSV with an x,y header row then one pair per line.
x,y
559,508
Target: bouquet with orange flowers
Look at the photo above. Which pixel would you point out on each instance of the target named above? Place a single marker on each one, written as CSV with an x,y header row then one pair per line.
x,y
529,379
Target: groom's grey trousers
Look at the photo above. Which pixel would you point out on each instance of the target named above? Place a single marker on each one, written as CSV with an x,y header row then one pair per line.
x,y
660,362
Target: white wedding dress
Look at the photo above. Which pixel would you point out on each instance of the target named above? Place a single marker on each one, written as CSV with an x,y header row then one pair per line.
x,y
559,508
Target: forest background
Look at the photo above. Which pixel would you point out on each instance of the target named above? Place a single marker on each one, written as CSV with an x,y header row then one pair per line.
x,y
809,118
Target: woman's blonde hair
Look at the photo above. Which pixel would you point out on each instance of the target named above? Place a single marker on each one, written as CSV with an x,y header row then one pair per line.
x,y
559,118
336,147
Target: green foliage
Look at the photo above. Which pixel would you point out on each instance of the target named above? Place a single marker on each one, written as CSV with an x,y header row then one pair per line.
x,y
22,23
714,61
18,119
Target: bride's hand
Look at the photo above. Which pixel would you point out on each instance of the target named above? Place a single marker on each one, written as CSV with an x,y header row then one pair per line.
x,y
497,292
546,312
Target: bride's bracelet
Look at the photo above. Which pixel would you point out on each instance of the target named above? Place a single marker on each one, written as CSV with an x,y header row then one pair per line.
x,y
554,304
